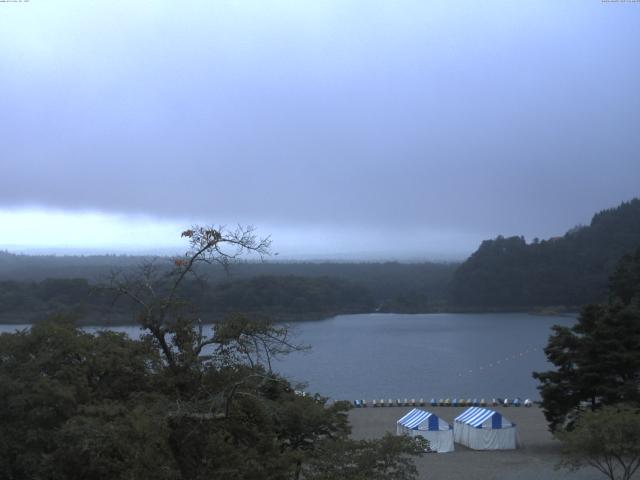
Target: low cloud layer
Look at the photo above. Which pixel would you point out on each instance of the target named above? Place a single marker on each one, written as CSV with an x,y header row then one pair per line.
x,y
419,121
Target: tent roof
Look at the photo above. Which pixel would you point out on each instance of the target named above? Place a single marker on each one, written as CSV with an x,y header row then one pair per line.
x,y
475,416
414,418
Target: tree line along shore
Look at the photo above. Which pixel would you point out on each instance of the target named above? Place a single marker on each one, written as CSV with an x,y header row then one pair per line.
x,y
550,276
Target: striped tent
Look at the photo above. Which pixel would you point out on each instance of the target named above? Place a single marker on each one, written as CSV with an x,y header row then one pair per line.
x,y
483,429
428,425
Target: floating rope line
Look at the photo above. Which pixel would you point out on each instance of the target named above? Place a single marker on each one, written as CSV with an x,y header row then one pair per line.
x,y
496,363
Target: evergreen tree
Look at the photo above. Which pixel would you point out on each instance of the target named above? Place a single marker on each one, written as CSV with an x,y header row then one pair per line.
x,y
598,359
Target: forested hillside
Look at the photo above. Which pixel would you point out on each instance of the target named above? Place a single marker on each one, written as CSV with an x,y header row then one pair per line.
x,y
40,267
420,284
33,287
565,271
280,297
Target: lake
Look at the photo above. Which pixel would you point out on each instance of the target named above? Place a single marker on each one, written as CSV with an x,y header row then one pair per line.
x,y
432,355
413,356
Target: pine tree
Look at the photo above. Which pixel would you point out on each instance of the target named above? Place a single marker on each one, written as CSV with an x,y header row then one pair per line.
x,y
598,359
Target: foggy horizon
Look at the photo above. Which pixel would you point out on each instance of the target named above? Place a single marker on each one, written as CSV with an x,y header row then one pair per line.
x,y
168,246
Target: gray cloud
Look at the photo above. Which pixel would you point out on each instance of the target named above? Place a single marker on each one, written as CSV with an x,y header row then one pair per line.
x,y
410,117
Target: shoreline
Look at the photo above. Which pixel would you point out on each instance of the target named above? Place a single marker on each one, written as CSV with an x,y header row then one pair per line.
x,y
120,319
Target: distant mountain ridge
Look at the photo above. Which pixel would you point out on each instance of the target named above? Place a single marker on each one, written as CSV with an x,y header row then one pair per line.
x,y
569,271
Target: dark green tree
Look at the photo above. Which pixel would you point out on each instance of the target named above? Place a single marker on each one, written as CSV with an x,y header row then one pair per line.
x,y
181,403
64,390
598,359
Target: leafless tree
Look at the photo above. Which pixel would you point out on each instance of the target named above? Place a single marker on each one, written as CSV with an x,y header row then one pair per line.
x,y
171,321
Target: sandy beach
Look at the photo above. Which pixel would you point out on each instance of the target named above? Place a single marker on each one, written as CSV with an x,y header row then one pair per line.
x,y
534,460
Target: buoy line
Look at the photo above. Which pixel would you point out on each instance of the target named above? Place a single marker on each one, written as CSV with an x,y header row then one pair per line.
x,y
496,363
494,402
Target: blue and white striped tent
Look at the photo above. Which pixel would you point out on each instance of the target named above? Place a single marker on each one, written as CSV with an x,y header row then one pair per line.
x,y
484,429
428,425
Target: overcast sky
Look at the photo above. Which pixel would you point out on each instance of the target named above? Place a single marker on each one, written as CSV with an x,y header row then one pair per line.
x,y
346,129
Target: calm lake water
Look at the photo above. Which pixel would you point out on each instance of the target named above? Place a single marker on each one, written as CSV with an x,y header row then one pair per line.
x,y
432,355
